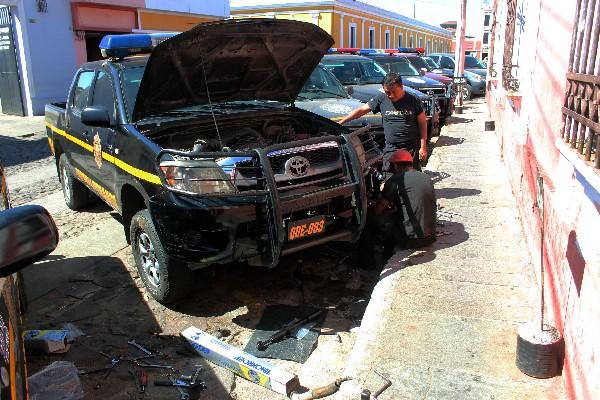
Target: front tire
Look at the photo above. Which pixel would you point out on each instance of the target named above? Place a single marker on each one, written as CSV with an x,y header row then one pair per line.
x,y
166,279
76,194
467,92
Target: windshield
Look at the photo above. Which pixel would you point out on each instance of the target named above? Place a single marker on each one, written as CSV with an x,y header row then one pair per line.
x,y
472,62
353,72
418,63
321,85
432,64
130,80
400,67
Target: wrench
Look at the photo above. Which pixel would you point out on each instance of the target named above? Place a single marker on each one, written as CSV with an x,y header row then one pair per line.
x,y
139,347
183,395
114,362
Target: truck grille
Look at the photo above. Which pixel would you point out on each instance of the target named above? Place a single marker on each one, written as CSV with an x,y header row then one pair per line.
x,y
316,164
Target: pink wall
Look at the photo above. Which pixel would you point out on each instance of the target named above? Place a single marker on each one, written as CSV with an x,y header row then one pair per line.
x,y
530,139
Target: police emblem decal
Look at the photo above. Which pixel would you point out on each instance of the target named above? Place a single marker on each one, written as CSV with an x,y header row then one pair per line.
x,y
98,150
297,166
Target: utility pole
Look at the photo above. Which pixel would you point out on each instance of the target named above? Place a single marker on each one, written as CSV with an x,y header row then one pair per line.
x,y
415,9
459,56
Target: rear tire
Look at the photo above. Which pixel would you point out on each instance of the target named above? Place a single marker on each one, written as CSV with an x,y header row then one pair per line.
x,y
76,194
165,278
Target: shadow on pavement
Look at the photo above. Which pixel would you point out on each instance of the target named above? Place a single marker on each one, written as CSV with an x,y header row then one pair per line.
x,y
15,151
449,141
453,193
450,234
458,120
105,303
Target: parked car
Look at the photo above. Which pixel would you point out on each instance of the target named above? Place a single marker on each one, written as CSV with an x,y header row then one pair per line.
x,y
418,80
475,73
324,95
364,76
199,148
27,234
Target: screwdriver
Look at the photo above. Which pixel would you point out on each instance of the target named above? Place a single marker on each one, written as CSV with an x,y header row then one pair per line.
x,y
143,380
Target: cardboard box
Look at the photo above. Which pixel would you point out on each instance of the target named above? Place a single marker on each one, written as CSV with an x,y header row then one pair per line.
x,y
48,341
241,363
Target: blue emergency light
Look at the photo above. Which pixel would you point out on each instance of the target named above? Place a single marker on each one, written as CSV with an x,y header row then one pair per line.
x,y
364,52
119,46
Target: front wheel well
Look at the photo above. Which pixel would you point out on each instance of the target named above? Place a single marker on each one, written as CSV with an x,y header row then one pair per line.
x,y
132,201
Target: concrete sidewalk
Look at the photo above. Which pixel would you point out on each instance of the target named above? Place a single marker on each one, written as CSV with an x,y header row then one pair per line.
x,y
441,323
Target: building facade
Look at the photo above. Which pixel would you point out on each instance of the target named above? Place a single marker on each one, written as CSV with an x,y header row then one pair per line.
x,y
52,39
351,23
542,93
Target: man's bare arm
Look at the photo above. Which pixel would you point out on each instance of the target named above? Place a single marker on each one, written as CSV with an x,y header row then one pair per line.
x,y
356,113
422,121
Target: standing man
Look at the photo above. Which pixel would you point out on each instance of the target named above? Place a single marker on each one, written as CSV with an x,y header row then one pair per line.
x,y
404,121
405,214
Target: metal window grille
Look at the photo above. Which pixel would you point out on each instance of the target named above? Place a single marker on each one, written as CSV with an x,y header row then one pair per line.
x,y
509,82
580,126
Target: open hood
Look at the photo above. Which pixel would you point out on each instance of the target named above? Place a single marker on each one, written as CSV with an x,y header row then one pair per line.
x,y
263,59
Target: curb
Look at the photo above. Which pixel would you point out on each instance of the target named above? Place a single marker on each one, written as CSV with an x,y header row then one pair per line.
x,y
358,366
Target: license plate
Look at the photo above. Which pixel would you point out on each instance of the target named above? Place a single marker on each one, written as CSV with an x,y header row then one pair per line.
x,y
460,79
306,227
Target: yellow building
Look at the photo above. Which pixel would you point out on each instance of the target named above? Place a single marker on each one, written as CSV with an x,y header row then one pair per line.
x,y
351,23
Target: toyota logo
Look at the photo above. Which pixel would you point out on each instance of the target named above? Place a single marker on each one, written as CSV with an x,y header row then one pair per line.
x,y
297,166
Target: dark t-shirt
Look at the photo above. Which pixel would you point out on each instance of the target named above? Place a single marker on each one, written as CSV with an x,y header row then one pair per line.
x,y
413,196
399,119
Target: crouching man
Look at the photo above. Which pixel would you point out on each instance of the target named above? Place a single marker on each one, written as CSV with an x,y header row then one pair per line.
x,y
405,214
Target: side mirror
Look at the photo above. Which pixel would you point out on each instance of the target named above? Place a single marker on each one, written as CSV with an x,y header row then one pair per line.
x,y
349,90
27,234
422,71
95,116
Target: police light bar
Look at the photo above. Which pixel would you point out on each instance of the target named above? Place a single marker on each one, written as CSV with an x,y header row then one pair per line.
x,y
119,46
367,51
418,50
340,50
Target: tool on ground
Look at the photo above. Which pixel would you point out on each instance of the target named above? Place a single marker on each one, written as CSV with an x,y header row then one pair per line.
x,y
140,347
183,395
365,394
143,379
156,366
114,362
386,385
180,383
288,330
322,391
193,376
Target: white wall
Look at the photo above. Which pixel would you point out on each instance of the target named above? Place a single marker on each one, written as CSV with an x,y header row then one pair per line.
x,y
213,7
46,52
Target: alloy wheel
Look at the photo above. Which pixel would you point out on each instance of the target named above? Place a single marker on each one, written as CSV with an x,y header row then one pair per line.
x,y
150,264
66,184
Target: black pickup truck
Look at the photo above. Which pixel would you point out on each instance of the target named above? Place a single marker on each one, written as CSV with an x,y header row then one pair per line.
x,y
200,148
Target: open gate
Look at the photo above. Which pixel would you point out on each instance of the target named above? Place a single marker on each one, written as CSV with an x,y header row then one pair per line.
x,y
10,86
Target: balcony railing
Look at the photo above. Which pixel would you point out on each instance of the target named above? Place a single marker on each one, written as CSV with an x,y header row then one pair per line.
x,y
580,116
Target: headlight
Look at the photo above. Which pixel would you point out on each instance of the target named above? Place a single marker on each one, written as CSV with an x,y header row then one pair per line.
x,y
200,177
477,78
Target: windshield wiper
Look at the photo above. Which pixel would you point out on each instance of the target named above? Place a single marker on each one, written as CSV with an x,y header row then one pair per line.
x,y
304,97
324,91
